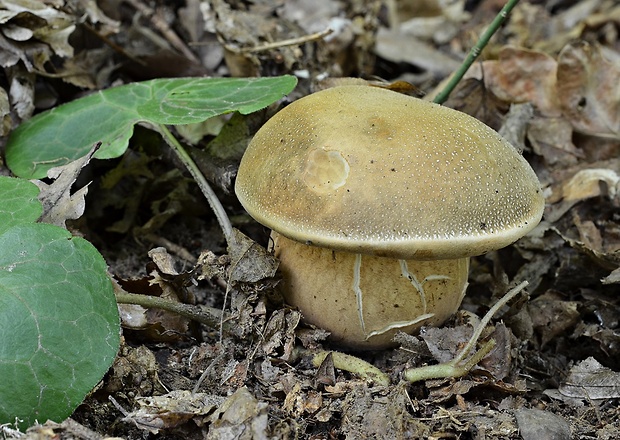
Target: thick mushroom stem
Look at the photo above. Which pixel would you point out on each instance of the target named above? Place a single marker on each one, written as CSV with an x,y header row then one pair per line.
x,y
363,300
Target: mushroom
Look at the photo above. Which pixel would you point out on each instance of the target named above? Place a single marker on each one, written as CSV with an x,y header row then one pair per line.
x,y
376,201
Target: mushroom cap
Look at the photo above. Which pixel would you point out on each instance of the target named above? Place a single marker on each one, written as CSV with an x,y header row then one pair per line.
x,y
366,170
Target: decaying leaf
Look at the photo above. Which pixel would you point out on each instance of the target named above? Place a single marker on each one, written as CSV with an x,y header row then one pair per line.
x,y
26,24
5,113
589,90
589,380
591,182
385,415
551,316
59,205
535,424
279,333
521,75
250,262
239,417
172,410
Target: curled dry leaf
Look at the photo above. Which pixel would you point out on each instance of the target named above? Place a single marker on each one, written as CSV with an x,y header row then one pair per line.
x,y
25,25
588,89
591,183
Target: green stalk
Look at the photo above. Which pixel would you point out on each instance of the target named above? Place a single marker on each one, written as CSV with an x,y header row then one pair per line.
x,y
352,364
200,179
475,51
460,365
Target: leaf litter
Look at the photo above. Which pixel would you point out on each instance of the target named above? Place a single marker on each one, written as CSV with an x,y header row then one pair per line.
x,y
554,372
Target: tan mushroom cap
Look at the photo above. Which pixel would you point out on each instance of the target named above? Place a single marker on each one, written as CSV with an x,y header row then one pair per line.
x,y
366,170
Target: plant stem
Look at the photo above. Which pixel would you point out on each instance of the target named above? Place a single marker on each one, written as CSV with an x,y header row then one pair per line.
x,y
200,179
353,364
459,366
475,51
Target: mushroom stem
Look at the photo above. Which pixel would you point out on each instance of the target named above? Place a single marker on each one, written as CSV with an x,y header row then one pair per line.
x,y
363,300
458,366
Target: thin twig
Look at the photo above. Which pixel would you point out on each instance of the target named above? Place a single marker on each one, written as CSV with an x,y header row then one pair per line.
x,y
164,29
283,43
475,51
203,314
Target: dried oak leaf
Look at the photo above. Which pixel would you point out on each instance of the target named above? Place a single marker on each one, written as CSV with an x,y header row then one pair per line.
x,y
588,89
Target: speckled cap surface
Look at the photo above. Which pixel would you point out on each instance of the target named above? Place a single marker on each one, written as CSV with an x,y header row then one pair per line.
x,y
367,170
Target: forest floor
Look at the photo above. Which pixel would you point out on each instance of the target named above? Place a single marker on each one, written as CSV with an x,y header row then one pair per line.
x,y
548,80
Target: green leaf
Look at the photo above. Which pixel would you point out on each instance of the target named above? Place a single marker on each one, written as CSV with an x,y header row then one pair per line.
x,y
67,132
59,323
18,202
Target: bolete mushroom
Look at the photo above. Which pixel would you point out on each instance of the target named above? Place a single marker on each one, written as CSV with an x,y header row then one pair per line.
x,y
376,201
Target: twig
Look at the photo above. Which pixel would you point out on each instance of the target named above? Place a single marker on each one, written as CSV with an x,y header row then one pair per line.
x,y
475,51
282,43
203,314
164,29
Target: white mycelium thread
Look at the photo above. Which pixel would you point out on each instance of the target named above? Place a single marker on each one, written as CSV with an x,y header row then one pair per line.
x,y
399,324
420,288
358,291
414,282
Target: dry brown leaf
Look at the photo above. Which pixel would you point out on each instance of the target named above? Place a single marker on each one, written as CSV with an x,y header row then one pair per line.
x,y
591,381
21,91
172,410
59,205
5,113
589,89
279,333
552,316
241,416
551,138
398,48
472,97
535,424
591,183
250,262
22,20
521,75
